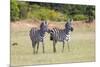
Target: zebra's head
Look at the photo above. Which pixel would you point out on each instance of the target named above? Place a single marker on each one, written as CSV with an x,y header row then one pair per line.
x,y
44,26
68,25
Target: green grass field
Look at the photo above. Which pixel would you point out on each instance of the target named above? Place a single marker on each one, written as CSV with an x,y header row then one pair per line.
x,y
82,47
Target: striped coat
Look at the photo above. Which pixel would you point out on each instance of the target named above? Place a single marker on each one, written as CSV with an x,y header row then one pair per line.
x,y
37,35
61,35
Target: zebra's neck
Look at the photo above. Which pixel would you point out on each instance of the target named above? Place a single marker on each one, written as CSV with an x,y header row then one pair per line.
x,y
42,33
66,31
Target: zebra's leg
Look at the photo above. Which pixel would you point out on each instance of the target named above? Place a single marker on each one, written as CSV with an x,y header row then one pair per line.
x,y
37,47
33,45
68,45
54,47
63,46
33,50
43,47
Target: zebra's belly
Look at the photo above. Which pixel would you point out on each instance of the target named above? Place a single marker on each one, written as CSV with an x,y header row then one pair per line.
x,y
40,40
37,39
67,37
60,40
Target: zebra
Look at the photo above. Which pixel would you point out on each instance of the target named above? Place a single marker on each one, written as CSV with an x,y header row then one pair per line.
x,y
61,35
37,35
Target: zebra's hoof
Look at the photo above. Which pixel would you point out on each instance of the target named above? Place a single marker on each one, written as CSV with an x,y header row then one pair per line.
x,y
43,52
54,51
36,52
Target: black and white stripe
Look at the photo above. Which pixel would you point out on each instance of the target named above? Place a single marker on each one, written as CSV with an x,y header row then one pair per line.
x,y
61,35
37,35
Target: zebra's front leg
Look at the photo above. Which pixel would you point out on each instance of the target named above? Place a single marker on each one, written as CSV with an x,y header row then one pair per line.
x,y
68,45
34,50
43,47
37,47
63,46
54,48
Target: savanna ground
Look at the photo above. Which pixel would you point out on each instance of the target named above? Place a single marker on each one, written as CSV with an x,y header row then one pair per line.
x,y
82,45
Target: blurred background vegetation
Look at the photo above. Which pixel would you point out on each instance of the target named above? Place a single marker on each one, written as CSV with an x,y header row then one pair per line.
x,y
21,10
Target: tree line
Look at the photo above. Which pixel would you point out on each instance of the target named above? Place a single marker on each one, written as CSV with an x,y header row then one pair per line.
x,y
51,11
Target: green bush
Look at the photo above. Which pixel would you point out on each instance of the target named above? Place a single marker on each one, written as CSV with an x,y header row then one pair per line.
x,y
90,13
23,10
56,16
14,10
53,12
45,13
79,17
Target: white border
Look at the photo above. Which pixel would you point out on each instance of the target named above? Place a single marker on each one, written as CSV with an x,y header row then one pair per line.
x,y
5,35
84,2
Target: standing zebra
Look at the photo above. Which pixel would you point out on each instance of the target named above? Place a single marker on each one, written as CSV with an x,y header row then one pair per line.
x,y
37,35
61,35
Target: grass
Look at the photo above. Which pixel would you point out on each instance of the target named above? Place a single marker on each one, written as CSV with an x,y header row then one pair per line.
x,y
82,48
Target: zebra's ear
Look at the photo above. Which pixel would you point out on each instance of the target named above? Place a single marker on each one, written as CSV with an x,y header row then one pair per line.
x,y
46,22
71,20
68,20
41,25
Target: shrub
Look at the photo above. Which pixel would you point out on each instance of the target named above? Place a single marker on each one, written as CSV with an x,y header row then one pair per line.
x,y
45,13
23,10
14,10
79,17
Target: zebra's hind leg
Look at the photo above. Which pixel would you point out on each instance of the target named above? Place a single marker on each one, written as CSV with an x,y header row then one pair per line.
x,y
33,45
63,46
54,46
43,47
34,50
37,47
